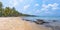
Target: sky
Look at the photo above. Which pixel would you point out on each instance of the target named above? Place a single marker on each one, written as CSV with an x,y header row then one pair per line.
x,y
35,7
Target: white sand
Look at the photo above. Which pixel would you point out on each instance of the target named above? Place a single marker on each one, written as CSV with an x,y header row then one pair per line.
x,y
16,23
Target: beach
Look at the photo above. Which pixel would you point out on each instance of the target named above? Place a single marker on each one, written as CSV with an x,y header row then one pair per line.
x,y
16,23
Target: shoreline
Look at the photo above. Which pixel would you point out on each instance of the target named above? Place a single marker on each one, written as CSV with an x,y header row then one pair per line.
x,y
16,23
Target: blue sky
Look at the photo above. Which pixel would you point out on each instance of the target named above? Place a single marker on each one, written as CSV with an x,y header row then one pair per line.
x,y
35,7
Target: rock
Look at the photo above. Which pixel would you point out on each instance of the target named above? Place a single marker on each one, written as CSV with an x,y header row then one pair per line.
x,y
39,21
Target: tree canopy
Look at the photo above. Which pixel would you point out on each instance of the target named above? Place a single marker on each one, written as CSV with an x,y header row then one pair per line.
x,y
9,12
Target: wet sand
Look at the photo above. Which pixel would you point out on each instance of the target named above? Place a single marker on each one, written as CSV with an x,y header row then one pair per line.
x,y
16,23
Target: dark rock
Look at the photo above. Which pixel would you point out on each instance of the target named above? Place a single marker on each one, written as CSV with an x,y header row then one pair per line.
x,y
27,20
39,21
54,20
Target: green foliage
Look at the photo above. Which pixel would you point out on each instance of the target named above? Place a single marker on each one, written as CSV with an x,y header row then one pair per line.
x,y
1,5
1,8
6,12
9,12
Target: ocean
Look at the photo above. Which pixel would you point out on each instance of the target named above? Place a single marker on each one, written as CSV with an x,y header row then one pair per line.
x,y
51,24
46,18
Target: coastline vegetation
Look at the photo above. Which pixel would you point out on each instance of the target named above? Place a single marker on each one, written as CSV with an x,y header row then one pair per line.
x,y
10,12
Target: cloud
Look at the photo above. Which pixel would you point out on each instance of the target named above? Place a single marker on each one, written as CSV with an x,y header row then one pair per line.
x,y
36,4
21,0
13,3
55,6
52,6
26,7
44,7
10,3
47,8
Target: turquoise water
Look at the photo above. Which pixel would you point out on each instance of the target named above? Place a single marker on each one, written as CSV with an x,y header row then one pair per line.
x,y
51,24
43,18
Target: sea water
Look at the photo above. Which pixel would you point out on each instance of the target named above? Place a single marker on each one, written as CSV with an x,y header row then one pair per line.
x,y
47,19
43,18
53,25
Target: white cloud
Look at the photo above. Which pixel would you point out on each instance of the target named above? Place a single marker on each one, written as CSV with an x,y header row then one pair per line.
x,y
21,0
13,3
10,3
54,6
36,4
46,8
49,6
26,7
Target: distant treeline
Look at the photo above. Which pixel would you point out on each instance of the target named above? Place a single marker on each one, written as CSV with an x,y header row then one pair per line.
x,y
10,12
